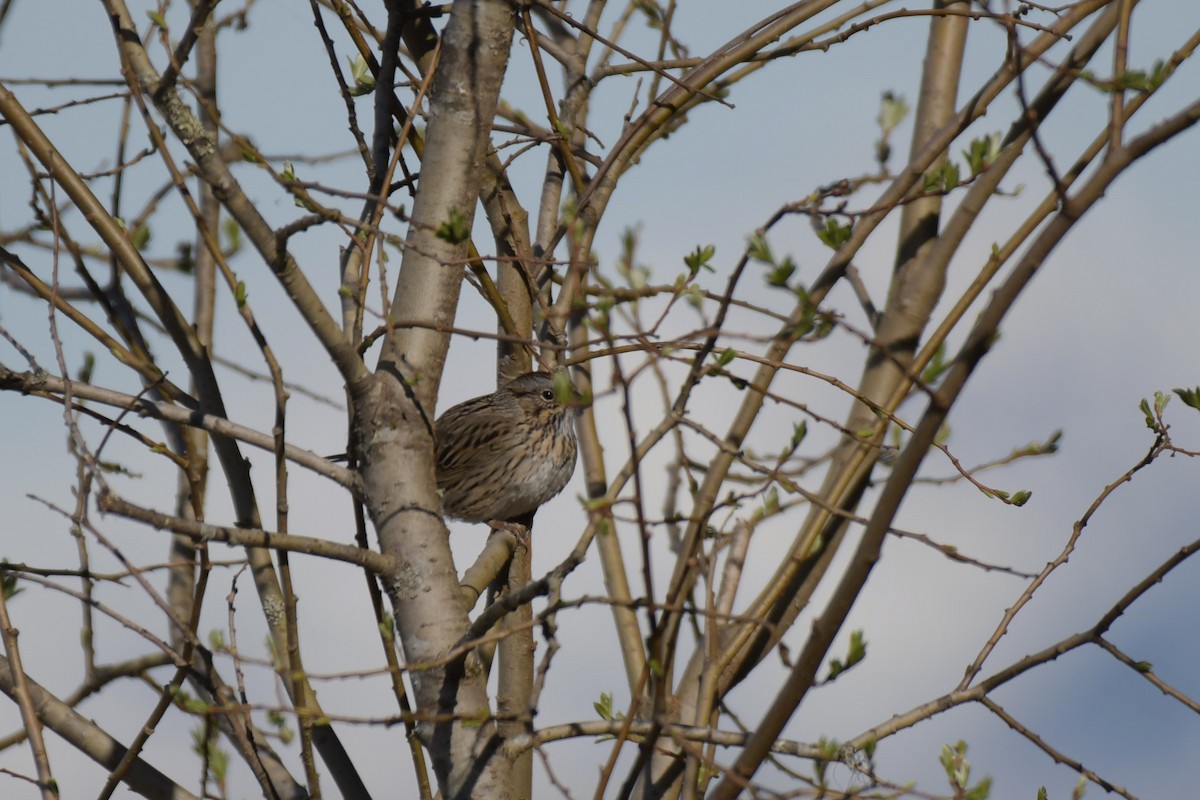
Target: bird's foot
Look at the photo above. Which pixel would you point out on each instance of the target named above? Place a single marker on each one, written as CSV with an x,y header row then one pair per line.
x,y
519,531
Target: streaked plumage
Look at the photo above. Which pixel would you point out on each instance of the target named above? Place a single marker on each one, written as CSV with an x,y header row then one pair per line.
x,y
502,455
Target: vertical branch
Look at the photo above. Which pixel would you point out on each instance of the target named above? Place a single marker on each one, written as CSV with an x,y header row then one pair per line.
x,y
561,143
193,482
608,546
515,288
515,651
386,627
719,610
574,113
33,726
465,93
394,411
514,686
913,293
1116,122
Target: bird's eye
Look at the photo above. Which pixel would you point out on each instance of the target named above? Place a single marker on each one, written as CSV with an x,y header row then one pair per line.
x,y
547,395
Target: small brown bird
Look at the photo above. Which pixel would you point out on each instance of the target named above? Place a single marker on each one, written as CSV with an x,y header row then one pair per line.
x,y
502,455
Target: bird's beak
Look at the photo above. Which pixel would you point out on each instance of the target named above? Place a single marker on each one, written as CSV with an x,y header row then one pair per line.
x,y
578,400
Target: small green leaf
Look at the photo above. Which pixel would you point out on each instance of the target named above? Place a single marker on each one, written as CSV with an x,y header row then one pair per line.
x,y
1158,73
141,236
455,229
892,111
857,650
953,760
87,369
827,751
364,81
233,233
942,179
770,503
1160,403
157,19
981,152
191,704
726,357
637,276
981,790
758,249
1190,397
239,294
1143,666
8,585
565,392
893,108
604,706
116,468
1150,422
1020,498
855,653
799,431
1134,79
779,273
699,259
629,241
936,367
958,770
833,234
828,748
